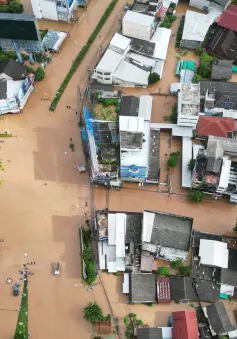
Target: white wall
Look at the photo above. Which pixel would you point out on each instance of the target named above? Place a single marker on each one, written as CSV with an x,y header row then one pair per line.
x,y
102,77
45,9
137,31
199,3
4,76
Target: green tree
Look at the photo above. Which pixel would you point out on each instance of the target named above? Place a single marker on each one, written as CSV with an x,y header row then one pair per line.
x,y
185,270
196,79
39,74
92,312
15,7
176,263
191,164
174,114
163,270
90,272
4,9
196,196
126,320
234,2
173,159
153,78
235,228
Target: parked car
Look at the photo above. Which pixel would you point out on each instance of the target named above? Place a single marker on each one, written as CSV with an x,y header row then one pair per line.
x,y
82,168
56,269
16,289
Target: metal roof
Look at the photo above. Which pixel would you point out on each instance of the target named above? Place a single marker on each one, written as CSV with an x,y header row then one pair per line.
x,y
145,107
228,145
219,318
120,41
109,62
138,18
163,290
221,69
167,230
129,73
186,157
161,38
143,47
213,253
129,106
146,263
228,18
149,333
213,165
196,24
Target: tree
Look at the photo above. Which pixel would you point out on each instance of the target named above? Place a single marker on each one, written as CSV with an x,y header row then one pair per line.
x,y
153,78
3,8
163,270
234,2
173,159
176,263
126,320
196,196
90,272
174,114
196,79
235,228
191,164
15,7
92,312
39,74
185,270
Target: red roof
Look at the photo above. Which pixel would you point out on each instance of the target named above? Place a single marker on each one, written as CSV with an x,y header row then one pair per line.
x,y
185,325
228,19
216,126
163,290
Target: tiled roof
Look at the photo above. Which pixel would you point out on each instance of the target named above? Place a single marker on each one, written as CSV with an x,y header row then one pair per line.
x,y
149,333
216,126
218,318
185,325
221,70
142,288
228,18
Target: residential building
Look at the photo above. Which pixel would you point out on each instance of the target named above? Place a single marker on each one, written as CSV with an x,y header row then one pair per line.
x,y
161,39
185,325
142,288
163,290
100,136
207,5
187,289
213,253
218,319
221,69
136,25
130,74
166,236
119,241
196,26
120,44
129,106
216,126
154,333
228,276
188,105
218,97
139,145
12,70
228,19
60,10
221,42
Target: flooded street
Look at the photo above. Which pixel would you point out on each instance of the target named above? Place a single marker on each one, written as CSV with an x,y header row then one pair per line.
x,y
43,195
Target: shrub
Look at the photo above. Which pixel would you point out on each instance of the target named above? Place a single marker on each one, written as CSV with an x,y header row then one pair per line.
x,y
126,320
93,312
196,79
4,9
90,272
15,7
29,69
39,73
185,270
168,20
173,159
72,146
191,164
153,78
235,228
176,263
81,54
196,196
234,2
205,66
174,114
179,32
163,270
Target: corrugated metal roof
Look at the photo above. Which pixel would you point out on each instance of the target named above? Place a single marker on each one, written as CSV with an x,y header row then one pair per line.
x,y
161,38
145,107
138,18
186,157
111,229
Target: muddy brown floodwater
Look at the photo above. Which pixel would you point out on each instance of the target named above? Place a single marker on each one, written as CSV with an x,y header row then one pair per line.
x,y
43,196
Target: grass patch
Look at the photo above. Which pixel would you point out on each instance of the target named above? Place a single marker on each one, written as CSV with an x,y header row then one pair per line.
x,y
5,135
22,322
81,55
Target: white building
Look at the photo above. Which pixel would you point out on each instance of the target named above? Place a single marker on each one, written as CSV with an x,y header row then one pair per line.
x,y
161,38
107,66
120,44
188,105
213,253
207,5
196,26
129,75
58,10
136,25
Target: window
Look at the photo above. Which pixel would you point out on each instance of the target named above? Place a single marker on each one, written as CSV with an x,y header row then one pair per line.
x,y
99,72
107,78
100,77
106,73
